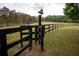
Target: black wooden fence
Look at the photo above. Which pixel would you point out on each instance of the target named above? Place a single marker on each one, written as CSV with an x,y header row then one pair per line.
x,y
4,47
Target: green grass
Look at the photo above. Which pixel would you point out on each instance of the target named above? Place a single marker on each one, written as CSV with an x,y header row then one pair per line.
x,y
15,37
63,41
12,38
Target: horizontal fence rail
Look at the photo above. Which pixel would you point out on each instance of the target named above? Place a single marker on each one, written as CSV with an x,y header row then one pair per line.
x,y
4,47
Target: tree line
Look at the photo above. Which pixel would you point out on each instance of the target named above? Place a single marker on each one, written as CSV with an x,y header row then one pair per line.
x,y
54,18
71,14
11,17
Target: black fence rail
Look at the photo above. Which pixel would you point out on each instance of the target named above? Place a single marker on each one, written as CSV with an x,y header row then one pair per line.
x,y
4,47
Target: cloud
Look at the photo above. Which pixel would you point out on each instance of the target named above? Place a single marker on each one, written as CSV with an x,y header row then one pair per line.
x,y
54,9
32,9
38,6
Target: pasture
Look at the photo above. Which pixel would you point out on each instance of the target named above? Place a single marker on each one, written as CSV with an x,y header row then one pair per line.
x,y
60,41
63,41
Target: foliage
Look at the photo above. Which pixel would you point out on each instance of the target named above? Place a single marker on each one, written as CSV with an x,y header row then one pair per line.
x,y
8,16
71,10
54,18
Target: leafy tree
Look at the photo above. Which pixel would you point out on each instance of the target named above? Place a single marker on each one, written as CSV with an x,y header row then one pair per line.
x,y
71,10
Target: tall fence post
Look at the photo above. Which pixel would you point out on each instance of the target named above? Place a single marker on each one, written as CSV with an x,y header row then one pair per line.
x,y
3,43
42,39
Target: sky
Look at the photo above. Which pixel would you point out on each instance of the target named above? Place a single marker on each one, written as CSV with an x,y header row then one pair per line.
x,y
33,8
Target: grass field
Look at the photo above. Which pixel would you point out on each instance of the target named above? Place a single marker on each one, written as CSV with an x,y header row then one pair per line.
x,y
63,41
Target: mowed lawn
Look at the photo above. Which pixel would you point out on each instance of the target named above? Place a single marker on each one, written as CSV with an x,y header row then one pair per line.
x,y
62,42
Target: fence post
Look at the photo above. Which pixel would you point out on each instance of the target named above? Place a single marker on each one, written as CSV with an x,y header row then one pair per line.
x,y
42,39
52,26
36,33
21,35
49,27
3,43
30,38
55,26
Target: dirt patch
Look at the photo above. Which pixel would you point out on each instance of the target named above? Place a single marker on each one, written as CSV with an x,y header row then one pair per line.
x,y
36,51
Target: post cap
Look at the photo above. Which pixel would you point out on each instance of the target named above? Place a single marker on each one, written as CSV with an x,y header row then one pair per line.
x,y
41,11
